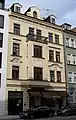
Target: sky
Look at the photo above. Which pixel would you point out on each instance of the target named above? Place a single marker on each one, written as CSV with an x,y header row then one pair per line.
x,y
64,10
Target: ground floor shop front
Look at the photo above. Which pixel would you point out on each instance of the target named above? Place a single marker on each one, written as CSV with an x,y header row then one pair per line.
x,y
21,100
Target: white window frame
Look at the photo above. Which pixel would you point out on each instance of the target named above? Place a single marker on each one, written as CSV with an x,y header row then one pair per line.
x,y
72,43
67,41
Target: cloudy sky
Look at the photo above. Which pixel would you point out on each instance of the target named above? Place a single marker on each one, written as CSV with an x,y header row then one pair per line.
x,y
65,10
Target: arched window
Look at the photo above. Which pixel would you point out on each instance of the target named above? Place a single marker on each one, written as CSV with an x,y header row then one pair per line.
x,y
35,14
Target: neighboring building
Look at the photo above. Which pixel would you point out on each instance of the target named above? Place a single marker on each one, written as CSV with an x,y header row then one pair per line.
x,y
70,59
35,67
3,54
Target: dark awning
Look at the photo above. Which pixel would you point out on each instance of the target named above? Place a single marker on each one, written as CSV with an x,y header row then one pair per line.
x,y
31,93
54,94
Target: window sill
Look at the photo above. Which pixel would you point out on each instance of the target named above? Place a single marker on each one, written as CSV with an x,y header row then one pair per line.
x,y
15,79
54,61
16,56
38,57
71,64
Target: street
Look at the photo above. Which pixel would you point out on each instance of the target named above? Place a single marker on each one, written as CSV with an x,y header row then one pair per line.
x,y
57,118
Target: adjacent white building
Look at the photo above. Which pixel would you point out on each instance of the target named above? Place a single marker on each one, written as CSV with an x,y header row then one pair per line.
x,y
3,53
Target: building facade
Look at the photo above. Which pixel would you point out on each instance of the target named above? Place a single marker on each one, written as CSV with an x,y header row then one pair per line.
x,y
3,54
35,66
70,59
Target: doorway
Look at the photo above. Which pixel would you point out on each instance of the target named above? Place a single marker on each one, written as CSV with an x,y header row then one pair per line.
x,y
15,102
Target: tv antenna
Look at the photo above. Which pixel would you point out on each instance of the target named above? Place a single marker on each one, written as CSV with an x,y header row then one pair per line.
x,y
48,12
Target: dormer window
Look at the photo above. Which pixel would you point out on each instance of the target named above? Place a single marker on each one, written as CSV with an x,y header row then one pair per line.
x,y
35,14
17,9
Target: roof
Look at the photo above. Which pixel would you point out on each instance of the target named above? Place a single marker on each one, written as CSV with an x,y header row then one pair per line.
x,y
16,3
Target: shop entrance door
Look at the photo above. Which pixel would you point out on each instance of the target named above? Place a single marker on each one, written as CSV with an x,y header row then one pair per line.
x,y
15,102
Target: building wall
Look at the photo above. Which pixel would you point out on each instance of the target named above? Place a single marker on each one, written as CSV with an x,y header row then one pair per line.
x,y
4,61
27,62
27,48
70,65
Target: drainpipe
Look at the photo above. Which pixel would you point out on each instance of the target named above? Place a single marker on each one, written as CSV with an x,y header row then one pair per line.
x,y
65,63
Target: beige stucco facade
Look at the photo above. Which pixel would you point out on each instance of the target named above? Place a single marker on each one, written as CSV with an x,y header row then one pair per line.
x,y
27,62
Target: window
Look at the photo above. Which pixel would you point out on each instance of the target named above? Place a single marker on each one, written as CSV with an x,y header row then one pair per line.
x,y
0,79
35,14
38,73
57,56
71,96
17,29
16,49
1,21
74,57
15,72
58,76
37,51
51,55
72,43
56,39
17,9
53,20
38,33
52,76
67,41
68,58
50,35
2,3
31,33
70,77
1,40
75,96
74,77
0,60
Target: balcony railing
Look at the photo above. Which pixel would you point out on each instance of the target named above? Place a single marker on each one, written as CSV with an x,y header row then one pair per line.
x,y
34,37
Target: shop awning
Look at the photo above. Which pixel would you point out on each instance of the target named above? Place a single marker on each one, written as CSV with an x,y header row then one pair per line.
x,y
53,94
35,93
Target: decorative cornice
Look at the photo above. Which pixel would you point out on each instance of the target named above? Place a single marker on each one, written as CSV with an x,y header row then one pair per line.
x,y
54,64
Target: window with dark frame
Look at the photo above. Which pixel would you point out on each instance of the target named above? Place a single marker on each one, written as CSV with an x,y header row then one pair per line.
x,y
0,79
58,76
57,56
1,21
16,49
0,59
38,33
38,73
31,33
52,76
37,51
35,14
51,55
17,9
50,36
56,39
15,72
17,29
1,40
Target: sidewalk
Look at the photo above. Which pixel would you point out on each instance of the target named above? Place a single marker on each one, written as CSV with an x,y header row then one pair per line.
x,y
9,117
